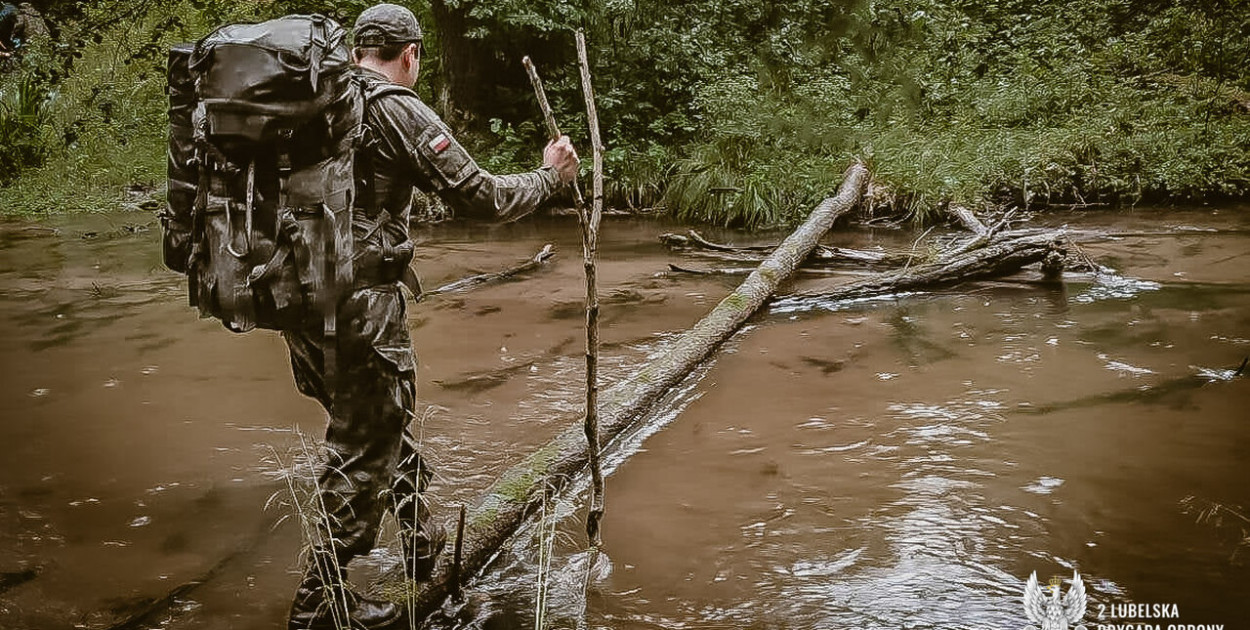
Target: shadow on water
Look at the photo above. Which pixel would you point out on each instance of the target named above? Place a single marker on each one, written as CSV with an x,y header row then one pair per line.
x,y
10,579
1172,392
911,339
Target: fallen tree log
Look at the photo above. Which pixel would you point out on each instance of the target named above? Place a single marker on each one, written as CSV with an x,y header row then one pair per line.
x,y
472,282
998,258
519,490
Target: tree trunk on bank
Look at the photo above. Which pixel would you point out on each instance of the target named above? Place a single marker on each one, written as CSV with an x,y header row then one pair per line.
x,y
515,495
462,69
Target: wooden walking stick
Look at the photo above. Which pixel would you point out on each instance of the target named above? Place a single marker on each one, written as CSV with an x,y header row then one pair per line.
x,y
590,236
590,245
553,131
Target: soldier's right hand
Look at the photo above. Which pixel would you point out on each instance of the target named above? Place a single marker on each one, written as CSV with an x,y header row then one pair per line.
x,y
561,156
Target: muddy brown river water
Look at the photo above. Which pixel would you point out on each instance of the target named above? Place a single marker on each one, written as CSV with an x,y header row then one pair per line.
x,y
895,463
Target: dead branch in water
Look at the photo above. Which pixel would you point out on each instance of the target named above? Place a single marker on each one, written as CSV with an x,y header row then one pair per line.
x,y
724,271
515,496
694,239
472,282
742,271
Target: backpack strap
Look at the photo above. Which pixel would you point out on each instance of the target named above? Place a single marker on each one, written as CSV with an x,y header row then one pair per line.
x,y
367,184
371,90
329,310
200,162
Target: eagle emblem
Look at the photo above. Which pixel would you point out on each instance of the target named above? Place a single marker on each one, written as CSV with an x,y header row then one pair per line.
x,y
1053,613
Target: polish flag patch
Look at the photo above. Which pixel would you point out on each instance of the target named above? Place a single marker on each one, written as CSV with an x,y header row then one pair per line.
x,y
439,143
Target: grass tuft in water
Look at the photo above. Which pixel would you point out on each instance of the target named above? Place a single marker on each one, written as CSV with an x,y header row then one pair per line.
x,y
1222,517
303,501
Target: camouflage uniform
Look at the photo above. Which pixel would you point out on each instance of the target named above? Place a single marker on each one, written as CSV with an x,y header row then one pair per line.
x,y
369,446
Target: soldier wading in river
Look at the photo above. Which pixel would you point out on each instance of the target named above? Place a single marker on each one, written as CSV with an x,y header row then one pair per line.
x,y
370,448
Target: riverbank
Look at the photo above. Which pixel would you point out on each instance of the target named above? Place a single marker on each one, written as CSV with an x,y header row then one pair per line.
x,y
1076,104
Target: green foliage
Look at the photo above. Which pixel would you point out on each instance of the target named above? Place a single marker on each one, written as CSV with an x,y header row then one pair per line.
x,y
509,147
737,112
970,102
102,129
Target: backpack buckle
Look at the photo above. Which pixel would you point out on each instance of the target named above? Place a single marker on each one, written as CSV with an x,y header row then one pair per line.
x,y
247,216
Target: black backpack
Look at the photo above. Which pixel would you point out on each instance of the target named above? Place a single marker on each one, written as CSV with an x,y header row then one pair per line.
x,y
264,120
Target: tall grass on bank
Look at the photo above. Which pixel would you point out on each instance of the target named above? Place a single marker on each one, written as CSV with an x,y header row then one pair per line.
x,y
300,500
1112,142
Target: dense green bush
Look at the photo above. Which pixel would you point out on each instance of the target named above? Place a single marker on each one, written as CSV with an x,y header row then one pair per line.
x,y
103,124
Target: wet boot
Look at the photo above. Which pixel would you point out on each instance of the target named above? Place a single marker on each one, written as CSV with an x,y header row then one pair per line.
x,y
323,602
421,548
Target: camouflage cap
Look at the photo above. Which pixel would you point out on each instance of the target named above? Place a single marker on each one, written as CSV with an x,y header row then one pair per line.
x,y
383,24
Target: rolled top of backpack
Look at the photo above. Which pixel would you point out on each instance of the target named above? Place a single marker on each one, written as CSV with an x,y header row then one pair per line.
x,y
271,77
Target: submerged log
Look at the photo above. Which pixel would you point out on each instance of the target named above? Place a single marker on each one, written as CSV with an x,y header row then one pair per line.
x,y
10,579
519,491
1146,394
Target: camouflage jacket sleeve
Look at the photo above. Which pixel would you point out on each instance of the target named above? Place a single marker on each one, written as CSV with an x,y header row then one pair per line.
x,y
421,145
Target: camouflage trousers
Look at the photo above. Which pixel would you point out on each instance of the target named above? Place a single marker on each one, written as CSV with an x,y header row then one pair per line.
x,y
372,463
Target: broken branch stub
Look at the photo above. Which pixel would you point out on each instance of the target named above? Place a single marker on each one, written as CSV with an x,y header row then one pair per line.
x,y
998,258
968,219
